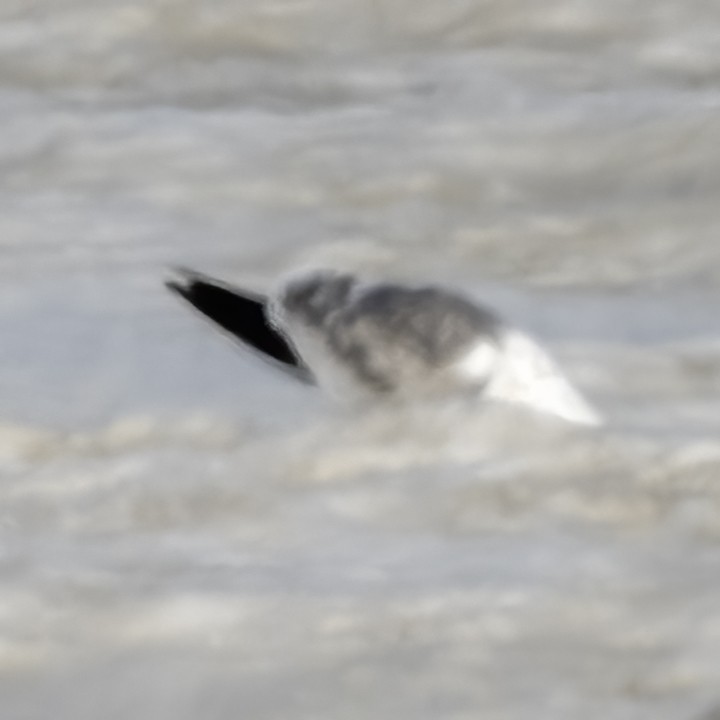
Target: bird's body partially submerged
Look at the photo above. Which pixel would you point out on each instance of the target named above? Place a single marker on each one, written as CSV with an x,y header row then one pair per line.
x,y
357,338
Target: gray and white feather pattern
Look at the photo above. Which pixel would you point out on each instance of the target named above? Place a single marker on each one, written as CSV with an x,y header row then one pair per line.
x,y
366,339
389,339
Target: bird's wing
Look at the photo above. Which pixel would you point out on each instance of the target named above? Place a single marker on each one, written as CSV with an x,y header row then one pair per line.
x,y
242,315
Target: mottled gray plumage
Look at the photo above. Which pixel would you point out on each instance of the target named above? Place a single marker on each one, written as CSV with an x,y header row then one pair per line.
x,y
388,336
362,338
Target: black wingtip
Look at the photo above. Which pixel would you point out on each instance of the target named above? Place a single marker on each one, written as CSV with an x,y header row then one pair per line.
x,y
238,312
176,287
182,280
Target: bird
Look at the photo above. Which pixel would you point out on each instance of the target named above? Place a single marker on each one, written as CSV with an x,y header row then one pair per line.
x,y
358,338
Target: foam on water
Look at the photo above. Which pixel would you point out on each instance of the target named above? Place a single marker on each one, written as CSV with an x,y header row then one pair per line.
x,y
438,548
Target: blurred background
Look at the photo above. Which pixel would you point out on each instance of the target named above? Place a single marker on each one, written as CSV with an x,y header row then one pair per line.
x,y
184,533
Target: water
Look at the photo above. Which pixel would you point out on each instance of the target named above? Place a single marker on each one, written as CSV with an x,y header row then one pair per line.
x,y
184,533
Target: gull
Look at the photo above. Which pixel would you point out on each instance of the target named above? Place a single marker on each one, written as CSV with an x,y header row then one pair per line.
x,y
357,338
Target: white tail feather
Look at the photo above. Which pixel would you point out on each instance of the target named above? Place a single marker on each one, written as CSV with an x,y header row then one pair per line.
x,y
521,372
